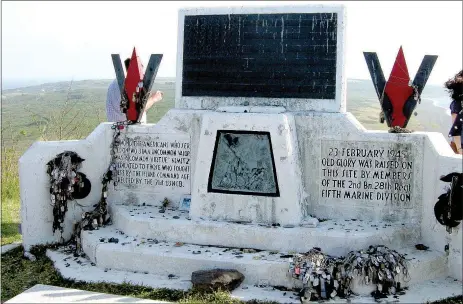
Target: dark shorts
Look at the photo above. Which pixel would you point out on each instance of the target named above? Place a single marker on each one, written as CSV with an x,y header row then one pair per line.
x,y
455,107
457,127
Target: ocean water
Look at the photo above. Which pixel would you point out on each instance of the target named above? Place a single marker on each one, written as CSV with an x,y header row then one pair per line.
x,y
442,102
8,84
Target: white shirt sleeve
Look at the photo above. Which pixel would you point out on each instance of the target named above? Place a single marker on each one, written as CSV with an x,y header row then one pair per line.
x,y
113,101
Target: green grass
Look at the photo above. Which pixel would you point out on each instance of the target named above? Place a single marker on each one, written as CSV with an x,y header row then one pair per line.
x,y
10,222
10,197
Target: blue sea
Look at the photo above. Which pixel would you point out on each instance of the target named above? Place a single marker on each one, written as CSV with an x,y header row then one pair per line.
x,y
8,84
442,102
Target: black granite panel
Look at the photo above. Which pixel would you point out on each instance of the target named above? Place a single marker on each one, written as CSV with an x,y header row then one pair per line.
x,y
260,55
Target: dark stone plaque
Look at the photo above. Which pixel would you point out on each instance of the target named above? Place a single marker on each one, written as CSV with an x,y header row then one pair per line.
x,y
243,163
260,55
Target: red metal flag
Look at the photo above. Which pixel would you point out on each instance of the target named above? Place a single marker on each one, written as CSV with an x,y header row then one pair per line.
x,y
136,86
135,74
398,89
398,96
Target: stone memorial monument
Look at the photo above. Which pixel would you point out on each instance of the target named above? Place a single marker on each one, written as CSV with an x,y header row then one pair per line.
x,y
261,150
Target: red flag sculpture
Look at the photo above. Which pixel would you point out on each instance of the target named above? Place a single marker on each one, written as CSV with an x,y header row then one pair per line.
x,y
398,97
398,89
136,87
133,85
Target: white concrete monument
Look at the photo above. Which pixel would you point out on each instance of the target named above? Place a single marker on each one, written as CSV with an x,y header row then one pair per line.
x,y
261,141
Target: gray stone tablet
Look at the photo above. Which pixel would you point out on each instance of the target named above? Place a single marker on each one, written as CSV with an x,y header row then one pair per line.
x,y
243,164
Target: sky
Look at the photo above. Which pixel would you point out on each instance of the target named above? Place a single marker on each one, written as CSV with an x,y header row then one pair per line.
x,y
67,40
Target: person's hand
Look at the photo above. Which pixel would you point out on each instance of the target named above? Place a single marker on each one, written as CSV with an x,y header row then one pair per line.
x,y
154,98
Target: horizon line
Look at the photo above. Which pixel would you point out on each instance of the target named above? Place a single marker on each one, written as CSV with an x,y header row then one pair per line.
x,y
51,81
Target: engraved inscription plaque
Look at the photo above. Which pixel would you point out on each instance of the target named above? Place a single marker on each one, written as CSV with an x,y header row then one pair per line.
x,y
368,172
153,163
243,163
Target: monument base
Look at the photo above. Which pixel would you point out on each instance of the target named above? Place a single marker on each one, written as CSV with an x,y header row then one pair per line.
x,y
248,167
80,269
143,240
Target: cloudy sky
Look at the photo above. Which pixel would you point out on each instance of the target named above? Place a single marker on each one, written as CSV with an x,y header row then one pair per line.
x,y
74,40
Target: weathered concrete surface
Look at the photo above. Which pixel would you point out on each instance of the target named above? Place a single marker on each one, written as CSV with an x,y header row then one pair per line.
x,y
429,290
134,253
9,247
327,132
440,160
283,209
181,125
333,237
36,210
53,294
425,292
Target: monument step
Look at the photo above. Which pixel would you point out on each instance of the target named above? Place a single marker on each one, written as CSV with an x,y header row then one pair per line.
x,y
169,258
81,269
335,237
423,292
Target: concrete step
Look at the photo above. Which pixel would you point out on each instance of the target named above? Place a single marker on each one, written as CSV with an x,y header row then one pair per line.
x,y
423,292
53,294
333,237
263,267
81,269
8,247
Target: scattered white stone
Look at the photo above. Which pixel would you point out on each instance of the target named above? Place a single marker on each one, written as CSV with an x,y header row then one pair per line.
x,y
30,256
310,222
